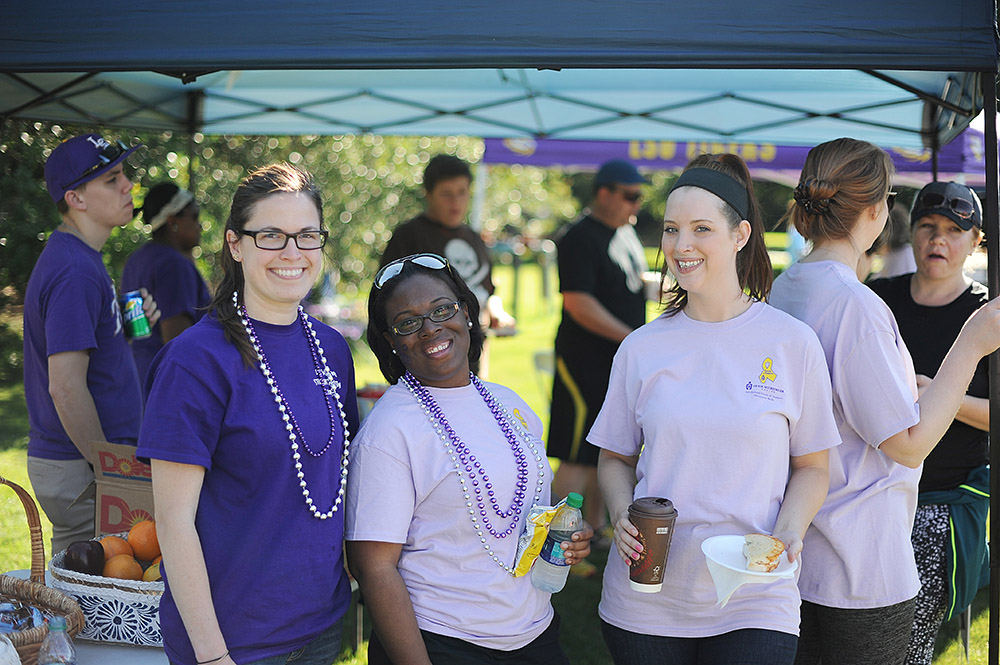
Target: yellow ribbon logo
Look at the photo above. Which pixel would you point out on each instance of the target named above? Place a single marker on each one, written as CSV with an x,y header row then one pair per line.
x,y
767,374
520,418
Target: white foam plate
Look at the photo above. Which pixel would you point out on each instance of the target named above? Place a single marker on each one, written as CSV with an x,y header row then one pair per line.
x,y
727,551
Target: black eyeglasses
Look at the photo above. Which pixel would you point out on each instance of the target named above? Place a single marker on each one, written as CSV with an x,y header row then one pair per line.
x,y
393,268
890,200
437,315
108,154
961,207
278,240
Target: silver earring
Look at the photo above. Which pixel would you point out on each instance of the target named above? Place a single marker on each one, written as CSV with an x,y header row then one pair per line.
x,y
394,352
470,324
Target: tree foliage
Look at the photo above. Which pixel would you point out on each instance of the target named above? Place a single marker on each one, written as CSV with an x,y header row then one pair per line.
x,y
370,184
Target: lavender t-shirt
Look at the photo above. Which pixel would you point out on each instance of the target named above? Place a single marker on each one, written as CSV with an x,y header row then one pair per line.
x,y
714,411
276,572
70,305
174,282
858,551
404,488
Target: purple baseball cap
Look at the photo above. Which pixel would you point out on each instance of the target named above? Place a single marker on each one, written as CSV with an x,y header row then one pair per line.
x,y
79,160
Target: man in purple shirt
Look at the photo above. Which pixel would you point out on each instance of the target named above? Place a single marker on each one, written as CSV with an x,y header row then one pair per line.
x,y
80,381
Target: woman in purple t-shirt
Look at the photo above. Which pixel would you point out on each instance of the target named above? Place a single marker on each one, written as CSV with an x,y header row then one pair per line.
x,y
436,569
247,425
860,583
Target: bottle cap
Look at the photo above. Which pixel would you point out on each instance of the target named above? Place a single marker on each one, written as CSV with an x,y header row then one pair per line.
x,y
57,623
574,499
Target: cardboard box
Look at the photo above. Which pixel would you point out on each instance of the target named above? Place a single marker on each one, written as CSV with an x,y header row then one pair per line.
x,y
124,488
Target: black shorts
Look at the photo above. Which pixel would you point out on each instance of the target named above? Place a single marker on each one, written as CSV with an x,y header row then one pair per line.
x,y
577,395
442,650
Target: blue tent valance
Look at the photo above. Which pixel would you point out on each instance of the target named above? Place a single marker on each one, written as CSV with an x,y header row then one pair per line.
x,y
895,72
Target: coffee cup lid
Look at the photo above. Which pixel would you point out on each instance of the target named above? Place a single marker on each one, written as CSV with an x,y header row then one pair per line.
x,y
653,506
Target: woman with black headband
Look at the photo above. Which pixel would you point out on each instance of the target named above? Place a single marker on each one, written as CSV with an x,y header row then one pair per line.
x,y
722,405
860,582
165,267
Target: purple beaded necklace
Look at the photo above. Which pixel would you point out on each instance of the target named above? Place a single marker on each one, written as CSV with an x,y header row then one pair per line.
x,y
465,460
327,380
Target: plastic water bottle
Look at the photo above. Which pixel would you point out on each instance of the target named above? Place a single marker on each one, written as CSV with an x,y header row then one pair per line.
x,y
551,569
57,647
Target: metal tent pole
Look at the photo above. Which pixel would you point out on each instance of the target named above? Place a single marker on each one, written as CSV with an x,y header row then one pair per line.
x,y
991,225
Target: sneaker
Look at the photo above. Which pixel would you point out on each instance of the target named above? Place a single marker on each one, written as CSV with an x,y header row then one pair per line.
x,y
584,569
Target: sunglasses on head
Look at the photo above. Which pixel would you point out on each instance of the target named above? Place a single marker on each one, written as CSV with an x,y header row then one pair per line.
x,y
392,269
961,207
108,154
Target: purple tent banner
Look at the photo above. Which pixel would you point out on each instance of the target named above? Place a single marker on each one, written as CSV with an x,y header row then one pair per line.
x,y
655,155
963,156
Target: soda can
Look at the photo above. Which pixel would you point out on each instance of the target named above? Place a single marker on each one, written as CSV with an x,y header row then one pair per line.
x,y
136,323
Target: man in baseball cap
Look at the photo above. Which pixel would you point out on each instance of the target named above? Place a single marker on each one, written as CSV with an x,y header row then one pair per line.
x,y
80,381
601,263
78,160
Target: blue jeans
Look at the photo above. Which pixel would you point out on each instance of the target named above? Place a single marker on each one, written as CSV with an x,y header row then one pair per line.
x,y
322,650
751,646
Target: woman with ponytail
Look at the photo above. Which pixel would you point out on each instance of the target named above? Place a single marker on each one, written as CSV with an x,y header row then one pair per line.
x,y
247,425
859,581
722,405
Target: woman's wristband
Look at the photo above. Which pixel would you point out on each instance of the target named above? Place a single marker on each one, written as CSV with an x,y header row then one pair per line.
x,y
213,660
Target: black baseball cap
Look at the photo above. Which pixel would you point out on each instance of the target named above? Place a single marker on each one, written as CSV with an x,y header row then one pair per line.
x,y
955,201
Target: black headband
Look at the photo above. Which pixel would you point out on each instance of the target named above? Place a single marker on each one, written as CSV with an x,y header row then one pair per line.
x,y
726,187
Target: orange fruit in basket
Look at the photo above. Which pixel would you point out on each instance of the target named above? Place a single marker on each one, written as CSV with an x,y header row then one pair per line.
x,y
152,574
123,567
142,538
114,545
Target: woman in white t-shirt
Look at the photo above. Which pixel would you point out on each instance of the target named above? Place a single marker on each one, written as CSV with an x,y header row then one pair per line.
x,y
860,583
443,473
721,405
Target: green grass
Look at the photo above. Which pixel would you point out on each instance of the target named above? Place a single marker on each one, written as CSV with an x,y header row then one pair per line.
x,y
511,364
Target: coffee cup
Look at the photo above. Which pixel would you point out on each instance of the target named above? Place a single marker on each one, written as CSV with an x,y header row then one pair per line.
x,y
654,517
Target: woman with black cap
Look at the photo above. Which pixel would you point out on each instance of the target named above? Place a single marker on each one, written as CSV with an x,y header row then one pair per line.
x,y
165,267
931,305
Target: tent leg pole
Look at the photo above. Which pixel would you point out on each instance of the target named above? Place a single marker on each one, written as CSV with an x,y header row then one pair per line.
x,y
991,225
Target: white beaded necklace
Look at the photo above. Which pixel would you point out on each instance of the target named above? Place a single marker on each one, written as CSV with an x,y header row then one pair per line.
x,y
327,379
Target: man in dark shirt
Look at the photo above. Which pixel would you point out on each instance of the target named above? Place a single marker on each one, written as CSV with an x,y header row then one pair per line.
x,y
441,229
601,263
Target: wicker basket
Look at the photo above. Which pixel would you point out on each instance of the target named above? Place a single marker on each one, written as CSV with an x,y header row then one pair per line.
x,y
33,591
117,611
